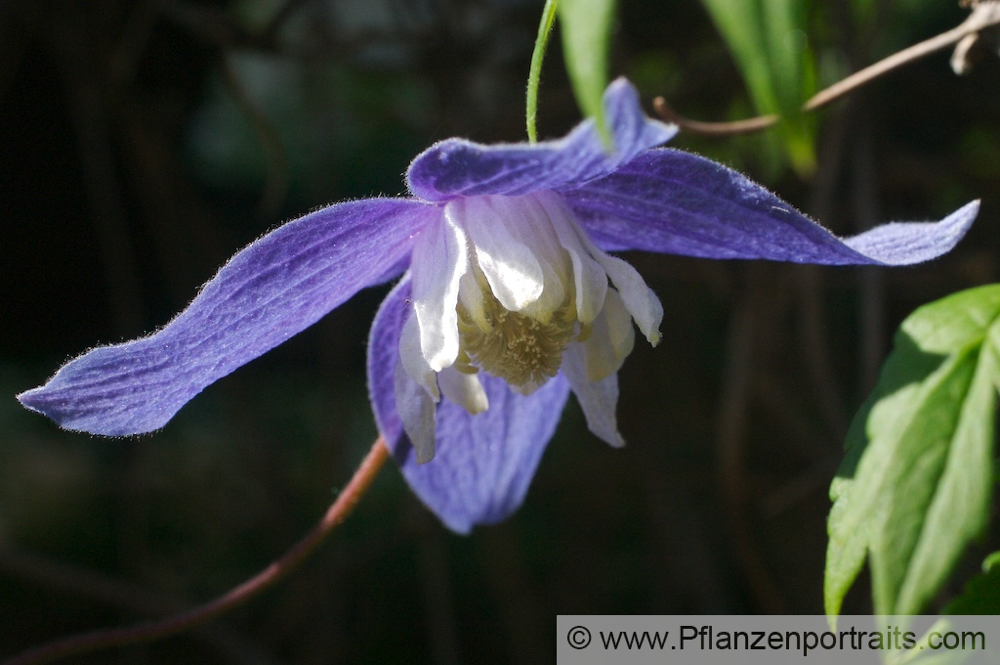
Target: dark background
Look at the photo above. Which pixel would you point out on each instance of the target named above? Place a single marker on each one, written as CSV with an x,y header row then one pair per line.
x,y
144,142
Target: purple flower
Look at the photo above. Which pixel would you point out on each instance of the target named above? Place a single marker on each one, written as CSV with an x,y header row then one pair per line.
x,y
508,300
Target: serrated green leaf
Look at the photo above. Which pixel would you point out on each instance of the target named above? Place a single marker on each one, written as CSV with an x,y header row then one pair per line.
x,y
940,492
586,37
923,652
914,487
990,562
982,593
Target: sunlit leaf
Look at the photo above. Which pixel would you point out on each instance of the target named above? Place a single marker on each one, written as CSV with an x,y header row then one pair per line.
x,y
915,486
586,36
768,41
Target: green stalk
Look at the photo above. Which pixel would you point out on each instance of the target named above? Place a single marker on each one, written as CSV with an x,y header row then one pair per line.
x,y
535,71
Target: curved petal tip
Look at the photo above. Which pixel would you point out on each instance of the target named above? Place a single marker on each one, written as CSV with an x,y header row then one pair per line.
x,y
456,167
906,243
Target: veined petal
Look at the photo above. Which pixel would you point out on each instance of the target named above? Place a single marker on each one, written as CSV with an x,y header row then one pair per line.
x,y
529,222
440,258
598,399
678,203
401,402
485,463
383,355
456,167
905,243
269,291
524,226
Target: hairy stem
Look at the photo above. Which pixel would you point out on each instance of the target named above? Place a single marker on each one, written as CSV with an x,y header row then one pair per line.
x,y
535,70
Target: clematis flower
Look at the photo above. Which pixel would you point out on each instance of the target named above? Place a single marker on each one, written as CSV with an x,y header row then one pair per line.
x,y
508,299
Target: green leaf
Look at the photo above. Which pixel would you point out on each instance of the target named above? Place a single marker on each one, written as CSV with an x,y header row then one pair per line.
x,y
990,562
535,71
586,38
768,41
914,487
982,593
742,26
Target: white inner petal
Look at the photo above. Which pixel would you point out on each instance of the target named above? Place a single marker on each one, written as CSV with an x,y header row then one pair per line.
x,y
591,282
610,341
510,267
413,361
598,399
531,225
463,389
507,285
440,258
470,296
639,299
416,410
621,334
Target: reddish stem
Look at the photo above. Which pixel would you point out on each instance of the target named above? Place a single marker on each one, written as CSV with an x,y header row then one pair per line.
x,y
153,630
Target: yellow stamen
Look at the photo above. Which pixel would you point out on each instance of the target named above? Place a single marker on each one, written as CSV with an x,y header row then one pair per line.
x,y
516,347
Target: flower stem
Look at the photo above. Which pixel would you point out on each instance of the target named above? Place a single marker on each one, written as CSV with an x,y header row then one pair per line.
x,y
154,630
535,69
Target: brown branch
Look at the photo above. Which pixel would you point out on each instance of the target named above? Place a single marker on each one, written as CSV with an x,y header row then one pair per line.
x,y
67,579
712,128
90,584
153,630
985,14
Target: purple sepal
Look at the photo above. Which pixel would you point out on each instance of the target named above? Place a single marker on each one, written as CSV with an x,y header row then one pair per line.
x,y
906,243
484,463
383,352
677,203
456,167
271,290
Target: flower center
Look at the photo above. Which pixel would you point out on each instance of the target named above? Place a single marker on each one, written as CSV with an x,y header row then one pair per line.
x,y
512,345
